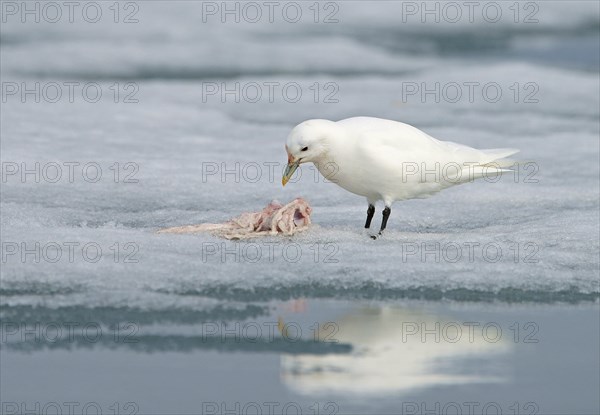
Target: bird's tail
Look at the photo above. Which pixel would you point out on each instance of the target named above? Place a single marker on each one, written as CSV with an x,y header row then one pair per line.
x,y
492,162
497,157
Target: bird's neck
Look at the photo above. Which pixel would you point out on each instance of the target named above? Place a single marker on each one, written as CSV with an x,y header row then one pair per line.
x,y
328,163
326,166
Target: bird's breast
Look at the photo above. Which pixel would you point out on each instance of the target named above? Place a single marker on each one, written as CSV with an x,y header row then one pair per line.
x,y
351,177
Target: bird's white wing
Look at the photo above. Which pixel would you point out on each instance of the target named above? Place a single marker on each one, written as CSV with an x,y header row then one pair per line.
x,y
408,144
407,163
403,162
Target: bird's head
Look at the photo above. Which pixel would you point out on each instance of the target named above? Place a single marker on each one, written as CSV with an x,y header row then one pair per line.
x,y
308,142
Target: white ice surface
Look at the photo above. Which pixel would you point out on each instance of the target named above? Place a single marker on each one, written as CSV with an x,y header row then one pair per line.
x,y
170,133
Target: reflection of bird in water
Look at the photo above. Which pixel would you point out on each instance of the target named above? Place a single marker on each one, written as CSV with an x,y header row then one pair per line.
x,y
387,359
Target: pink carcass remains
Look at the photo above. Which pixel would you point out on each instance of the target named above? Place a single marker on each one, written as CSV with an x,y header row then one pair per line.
x,y
272,220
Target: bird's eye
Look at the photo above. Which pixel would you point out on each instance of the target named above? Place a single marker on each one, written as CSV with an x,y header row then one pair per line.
x,y
304,149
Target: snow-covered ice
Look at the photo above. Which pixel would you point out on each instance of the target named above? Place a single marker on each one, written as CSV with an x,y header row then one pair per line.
x,y
197,159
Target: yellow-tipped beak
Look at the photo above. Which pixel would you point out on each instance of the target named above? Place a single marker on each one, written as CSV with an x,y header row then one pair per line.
x,y
289,171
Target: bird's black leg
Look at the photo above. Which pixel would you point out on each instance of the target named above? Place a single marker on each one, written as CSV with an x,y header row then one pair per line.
x,y
386,215
370,213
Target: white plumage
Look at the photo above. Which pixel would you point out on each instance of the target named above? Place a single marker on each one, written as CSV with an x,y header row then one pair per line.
x,y
387,160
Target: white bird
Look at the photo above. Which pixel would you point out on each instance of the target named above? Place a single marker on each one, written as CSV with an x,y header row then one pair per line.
x,y
387,160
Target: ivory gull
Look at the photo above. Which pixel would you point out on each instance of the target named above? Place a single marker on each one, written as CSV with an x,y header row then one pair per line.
x,y
387,160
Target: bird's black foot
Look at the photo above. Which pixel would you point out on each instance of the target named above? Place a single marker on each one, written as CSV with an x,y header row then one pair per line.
x,y
370,213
